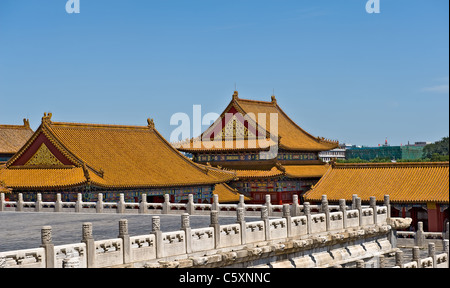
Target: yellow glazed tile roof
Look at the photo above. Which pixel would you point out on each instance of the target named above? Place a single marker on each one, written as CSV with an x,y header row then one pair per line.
x,y
111,156
293,137
13,137
274,172
218,173
403,182
227,194
305,171
291,171
36,178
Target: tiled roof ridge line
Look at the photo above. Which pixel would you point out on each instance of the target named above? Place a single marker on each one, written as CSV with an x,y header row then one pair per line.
x,y
95,125
390,165
26,125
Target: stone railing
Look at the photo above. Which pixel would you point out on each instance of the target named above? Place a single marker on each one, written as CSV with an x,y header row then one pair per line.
x,y
420,238
433,260
188,246
143,207
396,259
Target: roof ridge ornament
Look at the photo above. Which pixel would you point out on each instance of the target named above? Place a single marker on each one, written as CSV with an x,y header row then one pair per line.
x,y
86,172
47,117
151,123
26,123
280,167
235,95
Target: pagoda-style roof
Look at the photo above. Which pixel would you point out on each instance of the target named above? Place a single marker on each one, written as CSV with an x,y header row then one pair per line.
x,y
13,137
404,182
246,124
60,155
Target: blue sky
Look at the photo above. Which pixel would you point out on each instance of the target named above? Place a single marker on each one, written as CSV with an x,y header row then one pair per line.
x,y
337,71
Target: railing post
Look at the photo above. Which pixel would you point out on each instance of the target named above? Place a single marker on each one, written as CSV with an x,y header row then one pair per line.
x,y
190,205
399,258
325,209
360,264
295,211
268,204
46,240
265,218
215,204
38,203
186,227
287,216
373,205
446,249
88,239
419,236
343,209
79,203
388,205
99,205
359,207
2,202
307,212
432,253
156,230
121,204
19,203
215,224
143,204
241,201
381,261
126,244
446,230
354,196
416,255
166,204
58,203
240,214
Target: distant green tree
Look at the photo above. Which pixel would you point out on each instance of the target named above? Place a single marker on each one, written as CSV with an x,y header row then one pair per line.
x,y
439,148
381,160
354,160
436,157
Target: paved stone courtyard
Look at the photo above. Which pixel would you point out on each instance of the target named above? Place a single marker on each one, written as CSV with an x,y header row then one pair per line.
x,y
23,230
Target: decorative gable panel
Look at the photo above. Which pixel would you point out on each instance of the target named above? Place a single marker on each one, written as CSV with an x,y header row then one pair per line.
x,y
43,156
